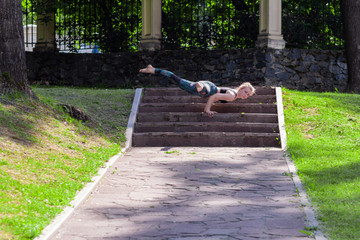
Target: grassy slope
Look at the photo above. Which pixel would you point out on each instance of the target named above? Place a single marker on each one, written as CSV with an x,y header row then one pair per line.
x,y
324,142
46,156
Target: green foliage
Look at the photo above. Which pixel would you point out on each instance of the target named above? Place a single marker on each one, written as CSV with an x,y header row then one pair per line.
x,y
234,24
115,25
29,14
312,24
210,24
112,25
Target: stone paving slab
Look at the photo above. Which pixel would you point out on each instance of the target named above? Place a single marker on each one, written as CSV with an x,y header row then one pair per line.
x,y
191,193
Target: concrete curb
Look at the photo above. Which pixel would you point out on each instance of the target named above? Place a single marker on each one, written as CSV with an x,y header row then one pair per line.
x,y
132,118
309,212
51,229
281,118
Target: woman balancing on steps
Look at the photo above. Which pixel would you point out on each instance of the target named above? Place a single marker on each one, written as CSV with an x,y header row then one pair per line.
x,y
206,89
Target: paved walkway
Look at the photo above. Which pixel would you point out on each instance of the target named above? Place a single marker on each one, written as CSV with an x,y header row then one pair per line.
x,y
192,193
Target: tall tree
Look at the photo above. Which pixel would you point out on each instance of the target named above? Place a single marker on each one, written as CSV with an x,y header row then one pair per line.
x,y
13,74
351,18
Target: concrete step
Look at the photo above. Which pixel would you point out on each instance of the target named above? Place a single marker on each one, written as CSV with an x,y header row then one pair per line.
x,y
199,117
206,139
218,107
195,99
142,127
179,92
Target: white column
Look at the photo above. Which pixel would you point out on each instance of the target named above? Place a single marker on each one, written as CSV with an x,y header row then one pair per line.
x,y
45,35
270,25
151,25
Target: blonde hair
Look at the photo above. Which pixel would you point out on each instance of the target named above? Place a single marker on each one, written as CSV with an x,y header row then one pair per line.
x,y
247,84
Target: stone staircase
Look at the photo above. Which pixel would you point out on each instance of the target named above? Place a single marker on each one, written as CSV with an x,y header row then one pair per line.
x,y
171,117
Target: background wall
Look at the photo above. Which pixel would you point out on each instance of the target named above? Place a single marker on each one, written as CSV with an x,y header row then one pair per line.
x,y
317,70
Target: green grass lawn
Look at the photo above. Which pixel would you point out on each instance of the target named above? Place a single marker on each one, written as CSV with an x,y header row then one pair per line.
x,y
323,131
46,156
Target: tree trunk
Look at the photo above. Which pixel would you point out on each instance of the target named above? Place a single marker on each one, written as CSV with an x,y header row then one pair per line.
x,y
13,73
350,10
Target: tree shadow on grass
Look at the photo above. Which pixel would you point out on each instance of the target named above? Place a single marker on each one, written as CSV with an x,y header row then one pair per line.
x,y
108,109
334,192
14,123
330,173
330,162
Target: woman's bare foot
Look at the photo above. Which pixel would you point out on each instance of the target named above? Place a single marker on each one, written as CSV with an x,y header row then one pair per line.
x,y
199,87
148,69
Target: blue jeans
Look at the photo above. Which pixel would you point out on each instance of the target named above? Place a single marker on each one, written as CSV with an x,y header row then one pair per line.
x,y
189,86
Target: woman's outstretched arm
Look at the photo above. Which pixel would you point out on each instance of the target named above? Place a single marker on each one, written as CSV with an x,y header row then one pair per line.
x,y
211,100
216,97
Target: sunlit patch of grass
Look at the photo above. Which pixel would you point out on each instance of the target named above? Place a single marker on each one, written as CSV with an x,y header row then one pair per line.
x,y
324,142
46,156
